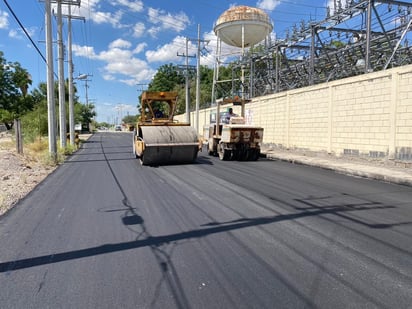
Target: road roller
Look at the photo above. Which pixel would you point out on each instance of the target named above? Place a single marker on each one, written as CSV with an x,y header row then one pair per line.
x,y
158,139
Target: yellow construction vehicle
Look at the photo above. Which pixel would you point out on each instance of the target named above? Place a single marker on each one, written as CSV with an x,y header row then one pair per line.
x,y
230,137
157,138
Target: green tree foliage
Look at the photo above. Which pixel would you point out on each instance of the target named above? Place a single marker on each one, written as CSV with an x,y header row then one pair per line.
x,y
103,124
85,112
169,78
35,122
131,119
14,83
166,79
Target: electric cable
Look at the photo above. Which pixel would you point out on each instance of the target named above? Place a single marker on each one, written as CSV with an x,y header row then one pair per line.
x,y
25,31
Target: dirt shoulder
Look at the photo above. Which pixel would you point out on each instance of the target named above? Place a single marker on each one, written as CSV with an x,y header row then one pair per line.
x,y
19,174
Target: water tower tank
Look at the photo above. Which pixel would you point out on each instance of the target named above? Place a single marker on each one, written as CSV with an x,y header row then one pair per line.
x,y
255,23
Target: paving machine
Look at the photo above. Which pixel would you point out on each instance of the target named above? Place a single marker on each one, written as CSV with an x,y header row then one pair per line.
x,y
230,137
157,138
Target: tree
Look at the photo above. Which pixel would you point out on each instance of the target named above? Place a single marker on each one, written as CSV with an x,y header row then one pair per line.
x,y
35,122
129,119
14,83
86,113
166,78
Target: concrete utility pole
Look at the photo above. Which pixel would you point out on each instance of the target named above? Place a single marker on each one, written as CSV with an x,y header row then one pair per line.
x,y
50,81
198,79
198,40
84,77
70,71
119,108
62,92
368,36
187,83
186,72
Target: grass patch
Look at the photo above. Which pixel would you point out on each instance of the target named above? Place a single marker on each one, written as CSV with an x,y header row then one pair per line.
x,y
39,151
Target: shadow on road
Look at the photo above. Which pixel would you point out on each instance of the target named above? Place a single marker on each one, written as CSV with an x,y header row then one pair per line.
x,y
156,241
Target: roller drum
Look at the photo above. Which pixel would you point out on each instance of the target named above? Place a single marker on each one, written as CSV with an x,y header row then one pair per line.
x,y
169,144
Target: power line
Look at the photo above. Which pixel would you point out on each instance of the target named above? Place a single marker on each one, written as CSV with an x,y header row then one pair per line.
x,y
24,30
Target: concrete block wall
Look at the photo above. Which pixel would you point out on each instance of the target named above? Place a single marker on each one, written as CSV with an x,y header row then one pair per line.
x,y
360,116
367,115
403,115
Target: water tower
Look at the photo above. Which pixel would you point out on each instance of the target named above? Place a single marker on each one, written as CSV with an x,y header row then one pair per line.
x,y
240,26
243,26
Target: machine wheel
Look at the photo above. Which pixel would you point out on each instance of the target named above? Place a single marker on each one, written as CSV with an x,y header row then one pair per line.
x,y
134,149
245,155
224,154
255,154
134,145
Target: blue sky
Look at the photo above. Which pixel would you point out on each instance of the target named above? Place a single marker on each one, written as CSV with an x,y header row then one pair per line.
x,y
122,43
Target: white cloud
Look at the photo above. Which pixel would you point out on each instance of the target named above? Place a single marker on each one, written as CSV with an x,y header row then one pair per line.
x,y
226,53
15,34
268,5
138,30
4,20
153,15
119,62
177,22
153,31
108,18
126,65
120,43
19,34
108,77
139,48
168,52
84,51
134,6
90,10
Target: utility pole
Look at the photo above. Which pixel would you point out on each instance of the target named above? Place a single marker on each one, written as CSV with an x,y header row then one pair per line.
x,y
50,81
62,104
119,109
368,36
70,71
62,90
186,72
84,77
197,79
198,40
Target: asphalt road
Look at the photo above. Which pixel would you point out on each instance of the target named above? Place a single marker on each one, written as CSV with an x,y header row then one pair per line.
x,y
105,232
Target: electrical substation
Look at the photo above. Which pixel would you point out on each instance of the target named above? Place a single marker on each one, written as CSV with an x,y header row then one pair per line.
x,y
354,38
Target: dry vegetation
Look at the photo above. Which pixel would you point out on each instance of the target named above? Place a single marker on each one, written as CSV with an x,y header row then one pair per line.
x,y
19,174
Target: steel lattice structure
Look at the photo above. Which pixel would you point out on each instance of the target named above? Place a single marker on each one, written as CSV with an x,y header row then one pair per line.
x,y
358,38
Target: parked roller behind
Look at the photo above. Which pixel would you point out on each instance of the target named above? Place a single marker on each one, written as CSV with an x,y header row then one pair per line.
x,y
233,139
159,139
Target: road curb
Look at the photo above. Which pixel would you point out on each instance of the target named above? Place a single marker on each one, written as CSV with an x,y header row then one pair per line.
x,y
350,169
